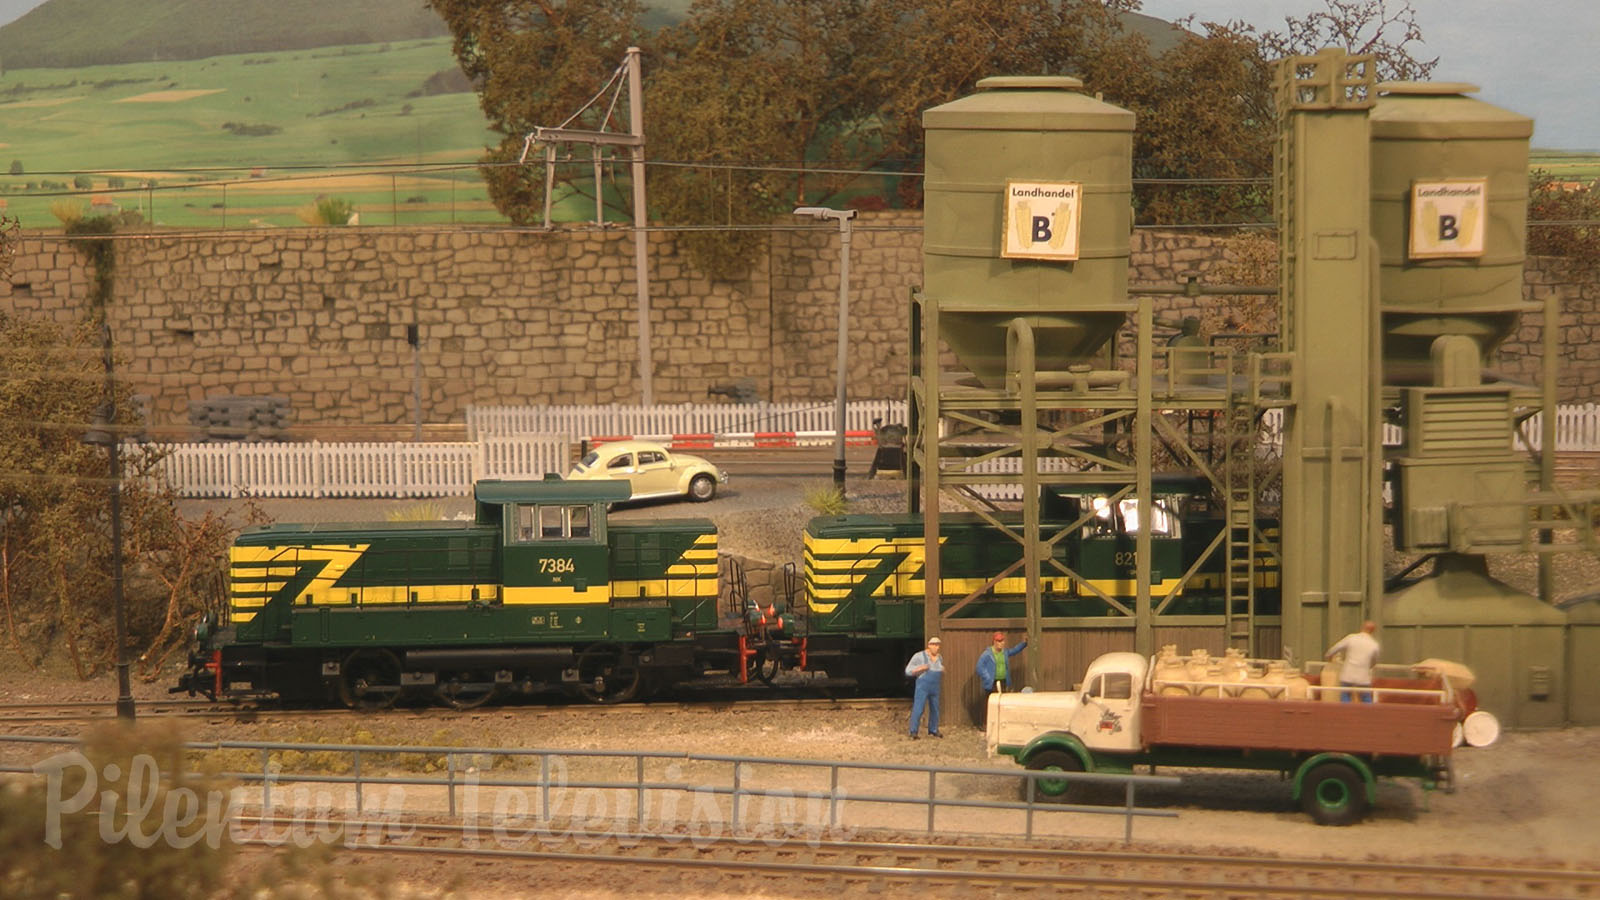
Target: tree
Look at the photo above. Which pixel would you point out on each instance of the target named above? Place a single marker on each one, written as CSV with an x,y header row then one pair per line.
x,y
16,167
55,529
536,63
1205,132
756,106
1387,29
748,142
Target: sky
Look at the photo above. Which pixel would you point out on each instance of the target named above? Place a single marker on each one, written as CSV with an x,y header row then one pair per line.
x,y
1535,57
11,9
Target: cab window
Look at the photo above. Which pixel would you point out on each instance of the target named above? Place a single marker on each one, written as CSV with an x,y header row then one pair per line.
x,y
578,517
1111,686
1119,686
646,457
1163,521
551,523
1128,512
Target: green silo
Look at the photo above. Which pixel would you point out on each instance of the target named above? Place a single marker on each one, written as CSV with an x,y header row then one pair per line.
x,y
1449,212
1583,661
1515,644
1028,213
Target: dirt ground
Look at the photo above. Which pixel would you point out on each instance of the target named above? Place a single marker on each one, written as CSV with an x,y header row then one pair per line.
x,y
1530,798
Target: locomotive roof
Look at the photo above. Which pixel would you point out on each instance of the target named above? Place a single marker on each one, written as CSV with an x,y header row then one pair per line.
x,y
549,489
278,531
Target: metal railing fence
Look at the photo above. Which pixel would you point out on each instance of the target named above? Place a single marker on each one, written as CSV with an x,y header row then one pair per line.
x,y
461,765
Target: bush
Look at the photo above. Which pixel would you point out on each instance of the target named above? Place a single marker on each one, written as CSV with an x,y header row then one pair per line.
x,y
67,211
16,167
827,500
242,129
83,182
327,211
115,182
1551,199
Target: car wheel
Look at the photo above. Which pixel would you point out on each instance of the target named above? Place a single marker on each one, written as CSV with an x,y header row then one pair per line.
x,y
702,488
1334,794
1058,790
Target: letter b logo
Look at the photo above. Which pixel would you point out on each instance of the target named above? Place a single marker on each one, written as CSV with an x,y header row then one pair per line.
x,y
1448,229
1041,229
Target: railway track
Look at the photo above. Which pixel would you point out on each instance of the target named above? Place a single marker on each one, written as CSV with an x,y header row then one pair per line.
x,y
20,714
891,867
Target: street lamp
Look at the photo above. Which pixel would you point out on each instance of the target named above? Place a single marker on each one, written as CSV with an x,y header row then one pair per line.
x,y
843,217
103,433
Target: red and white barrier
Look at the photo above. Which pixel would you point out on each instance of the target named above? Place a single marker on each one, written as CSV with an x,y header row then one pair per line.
x,y
758,439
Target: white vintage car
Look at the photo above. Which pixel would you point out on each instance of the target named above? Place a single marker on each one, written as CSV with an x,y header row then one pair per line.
x,y
652,470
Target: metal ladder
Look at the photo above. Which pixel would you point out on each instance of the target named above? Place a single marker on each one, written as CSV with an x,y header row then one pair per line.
x,y
1267,381
1239,576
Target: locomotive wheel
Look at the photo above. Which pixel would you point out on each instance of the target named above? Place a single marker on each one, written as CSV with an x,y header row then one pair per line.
x,y
463,690
607,674
1059,790
767,665
370,680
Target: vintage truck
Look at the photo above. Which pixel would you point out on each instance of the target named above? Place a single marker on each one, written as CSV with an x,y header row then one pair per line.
x,y
1123,716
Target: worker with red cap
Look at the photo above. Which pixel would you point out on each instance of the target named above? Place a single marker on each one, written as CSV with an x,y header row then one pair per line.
x,y
994,665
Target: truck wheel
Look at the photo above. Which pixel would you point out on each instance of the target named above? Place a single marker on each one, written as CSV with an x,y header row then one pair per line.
x,y
1060,790
1334,794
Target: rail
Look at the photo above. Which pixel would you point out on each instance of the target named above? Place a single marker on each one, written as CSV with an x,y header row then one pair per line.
x,y
824,805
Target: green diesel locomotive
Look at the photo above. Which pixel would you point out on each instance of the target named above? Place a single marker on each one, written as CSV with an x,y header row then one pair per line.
x,y
541,591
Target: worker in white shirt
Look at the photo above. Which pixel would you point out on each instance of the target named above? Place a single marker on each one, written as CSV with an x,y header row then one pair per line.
x,y
1360,651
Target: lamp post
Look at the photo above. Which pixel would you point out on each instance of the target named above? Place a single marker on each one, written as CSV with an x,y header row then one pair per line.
x,y
103,433
843,217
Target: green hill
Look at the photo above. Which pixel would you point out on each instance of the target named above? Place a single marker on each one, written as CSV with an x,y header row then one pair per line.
x,y
246,138
73,33
64,34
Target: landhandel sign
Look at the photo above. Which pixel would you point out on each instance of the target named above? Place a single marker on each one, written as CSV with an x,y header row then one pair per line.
x,y
1449,218
1041,220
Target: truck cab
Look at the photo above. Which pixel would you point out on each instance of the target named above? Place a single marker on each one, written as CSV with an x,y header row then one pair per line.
x,y
1101,715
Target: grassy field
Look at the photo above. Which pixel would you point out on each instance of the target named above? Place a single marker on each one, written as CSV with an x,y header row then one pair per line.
x,y
1566,164
249,139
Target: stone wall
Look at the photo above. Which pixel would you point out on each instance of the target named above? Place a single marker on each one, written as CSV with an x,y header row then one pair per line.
x,y
320,316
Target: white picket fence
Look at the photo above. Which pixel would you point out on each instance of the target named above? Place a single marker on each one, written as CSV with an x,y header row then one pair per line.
x,y
529,441
1577,429
315,469
579,422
